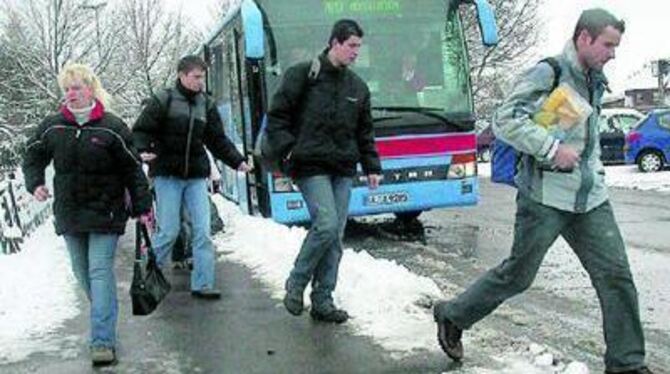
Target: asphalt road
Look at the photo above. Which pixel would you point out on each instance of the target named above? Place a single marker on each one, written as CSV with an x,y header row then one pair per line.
x,y
454,246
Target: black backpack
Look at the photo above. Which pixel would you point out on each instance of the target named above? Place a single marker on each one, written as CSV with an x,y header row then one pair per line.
x,y
270,157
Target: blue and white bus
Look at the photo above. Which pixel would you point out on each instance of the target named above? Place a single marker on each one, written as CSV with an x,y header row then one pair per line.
x,y
415,61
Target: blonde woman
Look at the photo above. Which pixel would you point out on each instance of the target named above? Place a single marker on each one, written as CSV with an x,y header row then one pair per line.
x,y
95,164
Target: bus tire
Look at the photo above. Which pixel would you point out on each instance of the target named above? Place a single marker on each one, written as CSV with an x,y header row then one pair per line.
x,y
408,216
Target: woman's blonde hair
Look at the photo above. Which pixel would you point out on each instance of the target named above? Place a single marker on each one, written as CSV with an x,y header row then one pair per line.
x,y
84,73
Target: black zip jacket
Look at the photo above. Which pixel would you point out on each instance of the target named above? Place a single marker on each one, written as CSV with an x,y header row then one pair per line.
x,y
177,124
95,164
323,125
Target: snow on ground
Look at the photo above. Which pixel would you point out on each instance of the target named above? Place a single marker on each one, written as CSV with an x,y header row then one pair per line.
x,y
386,301
619,176
37,295
38,292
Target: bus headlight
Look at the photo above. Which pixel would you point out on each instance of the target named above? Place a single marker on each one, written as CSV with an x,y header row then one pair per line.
x,y
283,184
462,166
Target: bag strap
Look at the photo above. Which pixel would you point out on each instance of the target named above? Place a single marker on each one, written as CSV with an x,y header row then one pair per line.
x,y
556,67
314,69
142,234
165,100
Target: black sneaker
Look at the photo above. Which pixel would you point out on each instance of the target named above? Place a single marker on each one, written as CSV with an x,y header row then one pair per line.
x,y
642,370
293,300
207,294
330,315
448,334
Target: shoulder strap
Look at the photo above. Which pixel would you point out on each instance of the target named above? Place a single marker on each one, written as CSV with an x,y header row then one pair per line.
x,y
557,70
165,100
314,69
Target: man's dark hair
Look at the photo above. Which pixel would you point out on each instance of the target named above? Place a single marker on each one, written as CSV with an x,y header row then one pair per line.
x,y
594,21
344,29
190,62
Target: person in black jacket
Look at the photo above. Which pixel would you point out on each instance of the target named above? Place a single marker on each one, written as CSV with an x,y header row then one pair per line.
x,y
322,125
171,134
95,167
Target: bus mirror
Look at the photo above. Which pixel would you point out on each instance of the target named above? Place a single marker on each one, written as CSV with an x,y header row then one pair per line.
x,y
252,21
487,23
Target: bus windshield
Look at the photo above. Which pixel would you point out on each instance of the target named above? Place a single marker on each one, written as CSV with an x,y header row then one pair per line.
x,y
413,52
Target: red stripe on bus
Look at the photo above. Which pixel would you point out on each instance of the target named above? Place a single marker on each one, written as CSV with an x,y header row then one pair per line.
x,y
438,144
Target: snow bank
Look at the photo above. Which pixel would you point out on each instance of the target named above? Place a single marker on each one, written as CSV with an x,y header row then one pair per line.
x,y
619,176
386,301
37,295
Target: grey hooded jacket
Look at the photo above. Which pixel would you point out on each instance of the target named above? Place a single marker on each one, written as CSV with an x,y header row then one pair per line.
x,y
580,189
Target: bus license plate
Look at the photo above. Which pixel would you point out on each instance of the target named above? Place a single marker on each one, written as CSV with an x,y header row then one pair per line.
x,y
387,198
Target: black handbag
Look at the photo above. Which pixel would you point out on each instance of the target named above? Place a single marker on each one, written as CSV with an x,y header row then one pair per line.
x,y
149,285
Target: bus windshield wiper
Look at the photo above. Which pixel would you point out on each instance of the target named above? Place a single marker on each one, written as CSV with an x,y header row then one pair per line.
x,y
428,112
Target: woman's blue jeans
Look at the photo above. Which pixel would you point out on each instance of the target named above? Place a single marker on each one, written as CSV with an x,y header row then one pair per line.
x,y
327,199
92,259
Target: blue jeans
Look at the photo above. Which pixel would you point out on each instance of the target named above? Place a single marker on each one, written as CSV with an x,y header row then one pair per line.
x,y
595,238
92,259
171,193
327,199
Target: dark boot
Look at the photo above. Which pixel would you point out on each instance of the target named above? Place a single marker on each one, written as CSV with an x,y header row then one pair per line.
x,y
642,370
207,294
448,334
329,314
293,300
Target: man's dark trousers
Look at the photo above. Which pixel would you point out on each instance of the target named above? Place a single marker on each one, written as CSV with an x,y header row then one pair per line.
x,y
595,238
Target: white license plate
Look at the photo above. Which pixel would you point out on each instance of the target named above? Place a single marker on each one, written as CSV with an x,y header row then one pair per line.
x,y
387,198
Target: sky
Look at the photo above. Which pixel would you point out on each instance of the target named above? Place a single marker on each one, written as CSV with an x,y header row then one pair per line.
x,y
641,42
386,300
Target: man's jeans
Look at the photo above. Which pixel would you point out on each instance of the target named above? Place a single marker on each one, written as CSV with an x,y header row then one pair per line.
x,y
327,199
595,238
170,194
92,259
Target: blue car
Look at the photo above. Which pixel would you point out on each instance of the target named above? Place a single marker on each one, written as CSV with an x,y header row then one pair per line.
x,y
648,145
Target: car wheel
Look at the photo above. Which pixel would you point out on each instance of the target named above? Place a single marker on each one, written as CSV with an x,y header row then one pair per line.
x,y
485,155
650,161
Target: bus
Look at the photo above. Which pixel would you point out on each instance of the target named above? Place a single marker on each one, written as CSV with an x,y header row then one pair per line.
x,y
415,62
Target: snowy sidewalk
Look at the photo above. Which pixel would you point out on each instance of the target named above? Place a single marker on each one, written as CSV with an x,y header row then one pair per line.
x,y
390,306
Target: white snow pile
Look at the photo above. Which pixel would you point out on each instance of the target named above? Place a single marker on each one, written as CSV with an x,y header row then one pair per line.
x,y
37,295
628,176
386,301
619,176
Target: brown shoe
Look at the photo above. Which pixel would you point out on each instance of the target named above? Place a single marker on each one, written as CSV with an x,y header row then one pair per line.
x,y
448,334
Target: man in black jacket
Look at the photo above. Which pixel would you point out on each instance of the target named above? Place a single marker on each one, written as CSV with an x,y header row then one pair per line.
x,y
322,125
171,135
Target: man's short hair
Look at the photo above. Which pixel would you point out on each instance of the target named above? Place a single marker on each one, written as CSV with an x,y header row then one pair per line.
x,y
190,62
594,21
344,29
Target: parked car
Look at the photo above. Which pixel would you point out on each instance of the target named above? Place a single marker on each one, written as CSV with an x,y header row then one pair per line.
x,y
613,125
484,142
648,145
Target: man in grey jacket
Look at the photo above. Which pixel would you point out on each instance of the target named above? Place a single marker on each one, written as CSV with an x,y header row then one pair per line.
x,y
561,192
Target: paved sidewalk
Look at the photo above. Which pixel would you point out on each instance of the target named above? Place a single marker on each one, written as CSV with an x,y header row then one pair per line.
x,y
244,332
